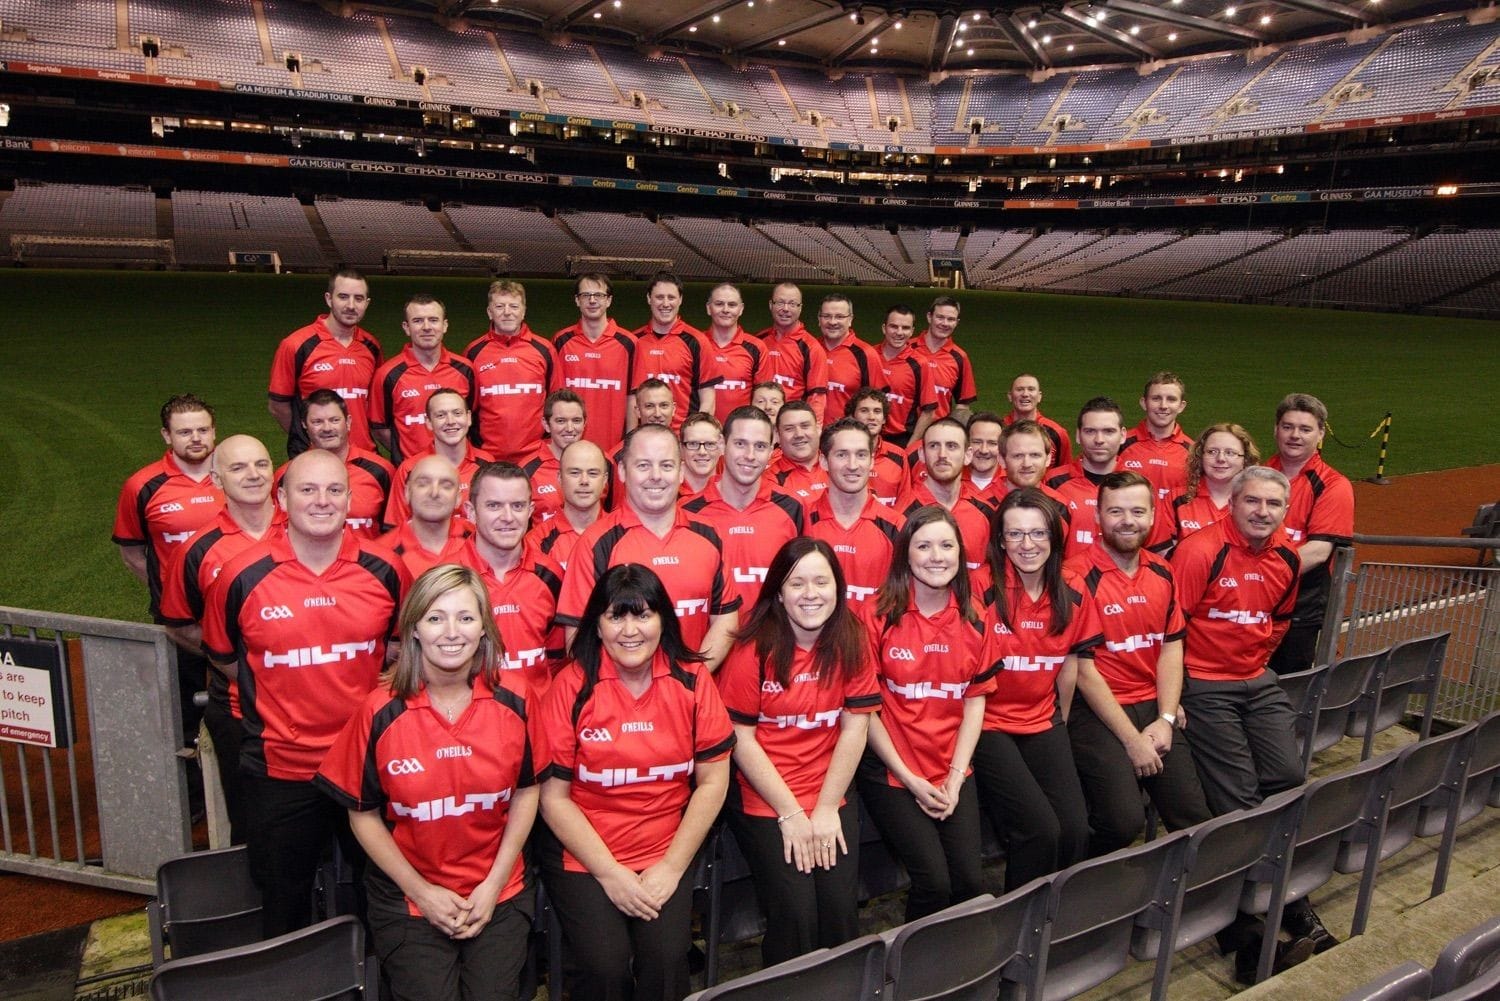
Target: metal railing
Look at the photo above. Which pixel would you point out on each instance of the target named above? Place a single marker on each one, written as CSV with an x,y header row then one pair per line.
x,y
1378,604
124,810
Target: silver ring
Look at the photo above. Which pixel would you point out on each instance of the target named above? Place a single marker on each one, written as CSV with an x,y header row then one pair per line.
x,y
827,845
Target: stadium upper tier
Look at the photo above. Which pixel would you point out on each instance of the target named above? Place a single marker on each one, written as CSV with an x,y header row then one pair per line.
x,y
1442,270
1443,65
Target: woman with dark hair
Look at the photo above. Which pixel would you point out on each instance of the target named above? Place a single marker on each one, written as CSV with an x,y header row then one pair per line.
x,y
798,685
637,768
935,669
1217,457
447,903
1040,622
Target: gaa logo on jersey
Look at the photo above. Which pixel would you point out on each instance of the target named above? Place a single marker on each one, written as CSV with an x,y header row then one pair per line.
x,y
404,766
273,612
901,653
595,734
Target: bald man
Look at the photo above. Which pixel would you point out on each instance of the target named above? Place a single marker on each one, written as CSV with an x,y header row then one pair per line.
x,y
301,620
431,536
583,477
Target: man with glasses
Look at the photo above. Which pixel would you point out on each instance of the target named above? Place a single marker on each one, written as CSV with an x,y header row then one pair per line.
x,y
795,360
852,364
596,356
702,446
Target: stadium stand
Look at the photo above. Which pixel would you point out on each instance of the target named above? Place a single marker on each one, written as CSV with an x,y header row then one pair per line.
x,y
207,225
614,234
342,54
1168,262
1095,256
818,246
1412,273
364,229
460,65
1283,265
220,43
78,210
527,234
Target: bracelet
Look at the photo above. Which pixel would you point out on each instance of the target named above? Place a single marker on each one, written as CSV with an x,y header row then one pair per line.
x,y
955,768
782,820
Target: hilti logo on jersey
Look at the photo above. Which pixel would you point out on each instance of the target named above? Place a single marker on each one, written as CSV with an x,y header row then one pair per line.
x,y
1130,644
929,690
733,384
1240,616
1295,534
173,538
315,656
404,766
169,508
512,389
450,806
837,387
691,606
595,734
895,397
801,721
358,523
352,393
750,575
273,612
411,419
1085,538
901,653
856,593
581,383
670,378
519,659
611,777
943,390
784,380
1033,663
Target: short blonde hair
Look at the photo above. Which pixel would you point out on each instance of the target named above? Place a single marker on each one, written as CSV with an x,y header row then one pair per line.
x,y
405,675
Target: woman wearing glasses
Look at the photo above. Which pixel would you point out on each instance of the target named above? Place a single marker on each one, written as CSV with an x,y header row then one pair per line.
x,y
1040,623
1217,457
935,670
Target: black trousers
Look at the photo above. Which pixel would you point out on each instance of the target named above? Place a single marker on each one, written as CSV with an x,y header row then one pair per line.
x,y
804,911
608,955
1242,734
1113,792
228,734
289,827
1298,648
940,856
423,964
193,670
1029,787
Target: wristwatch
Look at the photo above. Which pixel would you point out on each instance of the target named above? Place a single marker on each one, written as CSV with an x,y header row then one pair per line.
x,y
1170,718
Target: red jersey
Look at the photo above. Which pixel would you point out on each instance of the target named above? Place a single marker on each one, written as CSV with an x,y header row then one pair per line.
x,y
852,365
679,358
991,493
307,647
797,363
1162,461
737,365
1138,615
417,558
399,392
864,550
160,507
805,483
1062,445
398,511
797,725
370,478
751,537
952,373
909,393
1238,601
597,372
443,789
1078,491
973,519
1025,696
524,606
555,538
629,760
1321,509
889,476
928,667
512,376
689,561
1193,514
311,358
545,472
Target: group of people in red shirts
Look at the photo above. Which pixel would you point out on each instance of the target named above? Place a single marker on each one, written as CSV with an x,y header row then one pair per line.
x,y
599,569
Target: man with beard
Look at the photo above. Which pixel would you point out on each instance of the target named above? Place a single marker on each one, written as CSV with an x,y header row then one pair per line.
x,y
945,444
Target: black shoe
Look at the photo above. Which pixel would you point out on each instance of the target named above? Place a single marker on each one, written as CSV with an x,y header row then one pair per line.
x,y
1304,923
1288,955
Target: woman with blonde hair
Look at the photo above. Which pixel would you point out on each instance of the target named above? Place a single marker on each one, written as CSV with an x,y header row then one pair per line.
x,y
436,771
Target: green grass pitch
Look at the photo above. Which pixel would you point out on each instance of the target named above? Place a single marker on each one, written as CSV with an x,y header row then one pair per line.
x,y
90,357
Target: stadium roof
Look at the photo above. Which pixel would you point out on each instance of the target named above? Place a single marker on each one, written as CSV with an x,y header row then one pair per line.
x,y
934,36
